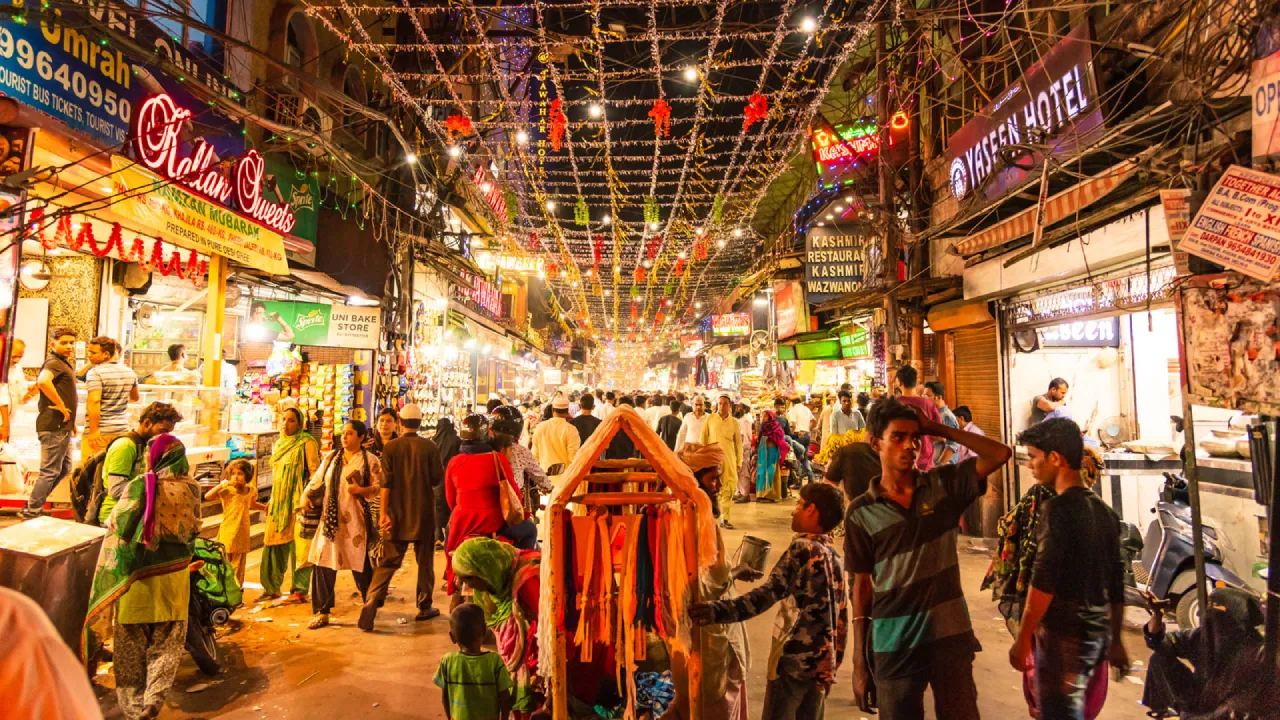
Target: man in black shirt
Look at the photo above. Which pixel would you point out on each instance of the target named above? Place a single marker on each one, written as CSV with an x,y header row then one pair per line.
x,y
55,423
1077,574
669,425
586,422
621,447
852,468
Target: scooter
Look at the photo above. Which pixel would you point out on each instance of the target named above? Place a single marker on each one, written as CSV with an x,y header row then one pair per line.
x,y
1163,563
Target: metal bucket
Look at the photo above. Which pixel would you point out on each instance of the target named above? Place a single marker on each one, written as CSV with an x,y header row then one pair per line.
x,y
753,553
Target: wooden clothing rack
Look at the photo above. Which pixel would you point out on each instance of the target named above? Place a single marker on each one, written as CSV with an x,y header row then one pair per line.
x,y
623,489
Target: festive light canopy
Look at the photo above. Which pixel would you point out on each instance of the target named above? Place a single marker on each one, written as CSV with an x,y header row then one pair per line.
x,y
635,137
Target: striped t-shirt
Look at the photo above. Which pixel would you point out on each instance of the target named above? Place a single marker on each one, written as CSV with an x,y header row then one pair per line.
x,y
918,612
115,381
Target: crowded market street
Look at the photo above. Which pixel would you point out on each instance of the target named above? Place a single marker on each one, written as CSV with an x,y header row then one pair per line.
x,y
640,359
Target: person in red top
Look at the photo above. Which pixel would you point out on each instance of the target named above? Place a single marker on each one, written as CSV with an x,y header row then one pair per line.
x,y
908,393
471,489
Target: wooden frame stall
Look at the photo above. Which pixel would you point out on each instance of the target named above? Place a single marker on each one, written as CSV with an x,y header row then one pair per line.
x,y
619,493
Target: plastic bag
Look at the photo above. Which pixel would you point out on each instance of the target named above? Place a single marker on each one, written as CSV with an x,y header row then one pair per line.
x,y
12,473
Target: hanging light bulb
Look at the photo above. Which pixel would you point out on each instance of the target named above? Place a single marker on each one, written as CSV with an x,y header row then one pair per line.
x,y
455,151
411,158
653,226
607,220
594,110
808,24
737,232
522,137
551,205
690,73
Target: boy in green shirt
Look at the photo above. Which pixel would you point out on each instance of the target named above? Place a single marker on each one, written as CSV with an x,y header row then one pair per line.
x,y
476,683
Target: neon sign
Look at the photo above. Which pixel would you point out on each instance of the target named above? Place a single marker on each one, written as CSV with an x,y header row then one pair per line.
x,y
157,125
837,149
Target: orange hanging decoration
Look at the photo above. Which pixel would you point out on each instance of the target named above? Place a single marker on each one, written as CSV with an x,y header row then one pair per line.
x,y
679,266
757,110
460,124
597,250
137,252
558,125
640,274
661,114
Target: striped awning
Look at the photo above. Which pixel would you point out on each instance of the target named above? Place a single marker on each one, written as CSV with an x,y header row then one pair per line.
x,y
1058,207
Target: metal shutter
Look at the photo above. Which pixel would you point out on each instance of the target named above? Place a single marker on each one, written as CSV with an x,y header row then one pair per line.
x,y
977,380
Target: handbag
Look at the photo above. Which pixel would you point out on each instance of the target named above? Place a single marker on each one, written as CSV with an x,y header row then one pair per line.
x,y
309,520
508,500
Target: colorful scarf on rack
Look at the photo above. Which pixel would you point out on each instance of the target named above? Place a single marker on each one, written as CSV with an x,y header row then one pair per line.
x,y
136,545
288,477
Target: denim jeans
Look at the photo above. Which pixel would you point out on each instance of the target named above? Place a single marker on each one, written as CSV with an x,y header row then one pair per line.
x,y
55,464
1064,664
523,536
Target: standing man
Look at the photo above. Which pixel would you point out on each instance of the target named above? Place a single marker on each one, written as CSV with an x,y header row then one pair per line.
x,y
907,381
900,550
411,472
56,421
555,442
1077,575
964,417
621,446
16,393
801,451
1053,401
691,425
823,428
943,454
801,418
847,418
722,429
669,426
586,423
111,387
125,458
609,404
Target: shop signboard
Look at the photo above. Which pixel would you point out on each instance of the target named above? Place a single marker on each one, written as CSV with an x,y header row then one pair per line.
x,y
1104,332
1238,225
315,324
1265,87
483,296
855,342
731,325
789,306
1056,103
490,261
544,94
690,345
57,64
835,261
844,152
1177,217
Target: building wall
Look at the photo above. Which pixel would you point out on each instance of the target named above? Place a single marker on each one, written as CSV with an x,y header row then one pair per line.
x,y
73,294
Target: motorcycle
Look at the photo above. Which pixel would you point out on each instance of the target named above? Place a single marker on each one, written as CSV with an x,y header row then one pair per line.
x,y
215,594
1163,563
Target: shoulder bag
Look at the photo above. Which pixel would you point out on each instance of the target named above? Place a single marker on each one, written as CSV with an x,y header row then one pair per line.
x,y
309,520
508,500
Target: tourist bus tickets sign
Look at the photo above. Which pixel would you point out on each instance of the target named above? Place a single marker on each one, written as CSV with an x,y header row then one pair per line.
x,y
1238,225
731,325
835,262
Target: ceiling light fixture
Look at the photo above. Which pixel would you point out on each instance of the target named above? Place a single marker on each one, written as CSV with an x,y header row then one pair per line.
x,y
808,25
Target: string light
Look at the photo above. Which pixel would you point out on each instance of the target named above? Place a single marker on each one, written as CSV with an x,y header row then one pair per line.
x,y
594,110
808,25
690,73
522,137
455,151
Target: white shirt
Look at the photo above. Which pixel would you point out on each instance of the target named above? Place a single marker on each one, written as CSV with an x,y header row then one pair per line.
x,y
690,430
603,410
801,418
555,441
654,414
16,391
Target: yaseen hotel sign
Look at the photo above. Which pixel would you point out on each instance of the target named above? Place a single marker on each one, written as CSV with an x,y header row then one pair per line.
x,y
1056,103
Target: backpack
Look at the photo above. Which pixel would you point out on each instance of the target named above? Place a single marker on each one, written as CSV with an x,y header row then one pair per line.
x,y
87,488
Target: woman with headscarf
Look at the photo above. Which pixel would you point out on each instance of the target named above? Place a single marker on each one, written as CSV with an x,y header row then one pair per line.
x,y
447,443
294,457
725,651
386,427
471,486
506,585
347,480
770,451
1231,678
507,424
143,572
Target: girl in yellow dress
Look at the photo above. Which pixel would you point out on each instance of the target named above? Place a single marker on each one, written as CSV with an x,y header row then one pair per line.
x,y
239,496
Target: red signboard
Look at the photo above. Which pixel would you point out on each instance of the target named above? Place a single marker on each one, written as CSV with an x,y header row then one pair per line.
x,y
482,295
492,193
789,301
156,129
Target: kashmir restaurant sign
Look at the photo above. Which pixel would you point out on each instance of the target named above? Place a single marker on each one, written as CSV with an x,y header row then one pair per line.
x,y
835,262
1055,103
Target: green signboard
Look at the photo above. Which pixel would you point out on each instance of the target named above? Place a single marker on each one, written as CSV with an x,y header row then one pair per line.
x,y
855,342
317,324
302,191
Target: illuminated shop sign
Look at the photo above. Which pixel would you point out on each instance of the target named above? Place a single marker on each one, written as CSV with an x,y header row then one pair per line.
x,y
159,122
1082,333
835,261
482,295
731,325
840,149
492,193
1056,103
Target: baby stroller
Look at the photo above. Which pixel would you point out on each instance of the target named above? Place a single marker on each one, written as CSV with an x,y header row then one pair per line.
x,y
214,595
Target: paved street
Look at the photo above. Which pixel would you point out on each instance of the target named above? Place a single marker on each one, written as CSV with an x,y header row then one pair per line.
x,y
277,668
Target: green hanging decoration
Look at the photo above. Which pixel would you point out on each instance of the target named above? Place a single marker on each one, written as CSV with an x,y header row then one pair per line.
x,y
717,209
512,204
581,216
635,291
668,289
651,210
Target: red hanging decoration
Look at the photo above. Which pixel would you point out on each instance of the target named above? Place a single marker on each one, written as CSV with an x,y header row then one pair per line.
x,y
533,241
460,124
136,253
634,314
597,249
757,110
679,266
558,125
552,268
116,241
157,257
651,247
700,250
658,318
640,274
661,114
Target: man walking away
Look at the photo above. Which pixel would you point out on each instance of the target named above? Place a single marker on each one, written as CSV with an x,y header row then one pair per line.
x,y
56,421
964,416
586,423
669,425
801,418
691,425
1076,576
621,446
411,473
722,429
900,549
943,453
555,442
610,403
907,380
111,387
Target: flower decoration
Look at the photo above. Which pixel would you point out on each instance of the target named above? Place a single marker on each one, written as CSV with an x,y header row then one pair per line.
x,y
661,114
459,125
757,110
558,125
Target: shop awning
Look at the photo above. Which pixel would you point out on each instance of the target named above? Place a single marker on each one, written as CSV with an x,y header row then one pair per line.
x,y
328,282
820,345
1060,206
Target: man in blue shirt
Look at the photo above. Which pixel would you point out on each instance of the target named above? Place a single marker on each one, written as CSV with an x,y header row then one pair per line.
x,y
943,453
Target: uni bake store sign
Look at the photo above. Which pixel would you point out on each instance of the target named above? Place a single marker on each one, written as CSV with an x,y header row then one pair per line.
x,y
1056,103
157,125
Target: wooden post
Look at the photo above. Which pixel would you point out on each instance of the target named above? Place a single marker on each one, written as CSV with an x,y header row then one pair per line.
x,y
694,663
215,311
559,689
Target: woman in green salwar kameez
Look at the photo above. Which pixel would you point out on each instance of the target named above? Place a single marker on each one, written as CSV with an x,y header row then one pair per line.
x,y
295,455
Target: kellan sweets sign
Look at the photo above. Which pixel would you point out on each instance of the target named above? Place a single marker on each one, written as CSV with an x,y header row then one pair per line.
x,y
1056,103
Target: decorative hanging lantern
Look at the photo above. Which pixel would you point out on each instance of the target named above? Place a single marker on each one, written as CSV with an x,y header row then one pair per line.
x,y
651,247
717,209
597,249
757,109
640,274
679,268
651,210
581,216
533,241
459,125
661,114
558,125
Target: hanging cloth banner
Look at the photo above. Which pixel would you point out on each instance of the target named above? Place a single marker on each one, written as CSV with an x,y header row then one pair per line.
x,y
193,222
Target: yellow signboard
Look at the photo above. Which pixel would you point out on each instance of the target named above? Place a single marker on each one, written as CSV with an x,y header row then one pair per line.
x,y
191,221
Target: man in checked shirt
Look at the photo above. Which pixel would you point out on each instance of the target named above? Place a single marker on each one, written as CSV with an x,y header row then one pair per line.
x,y
809,635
